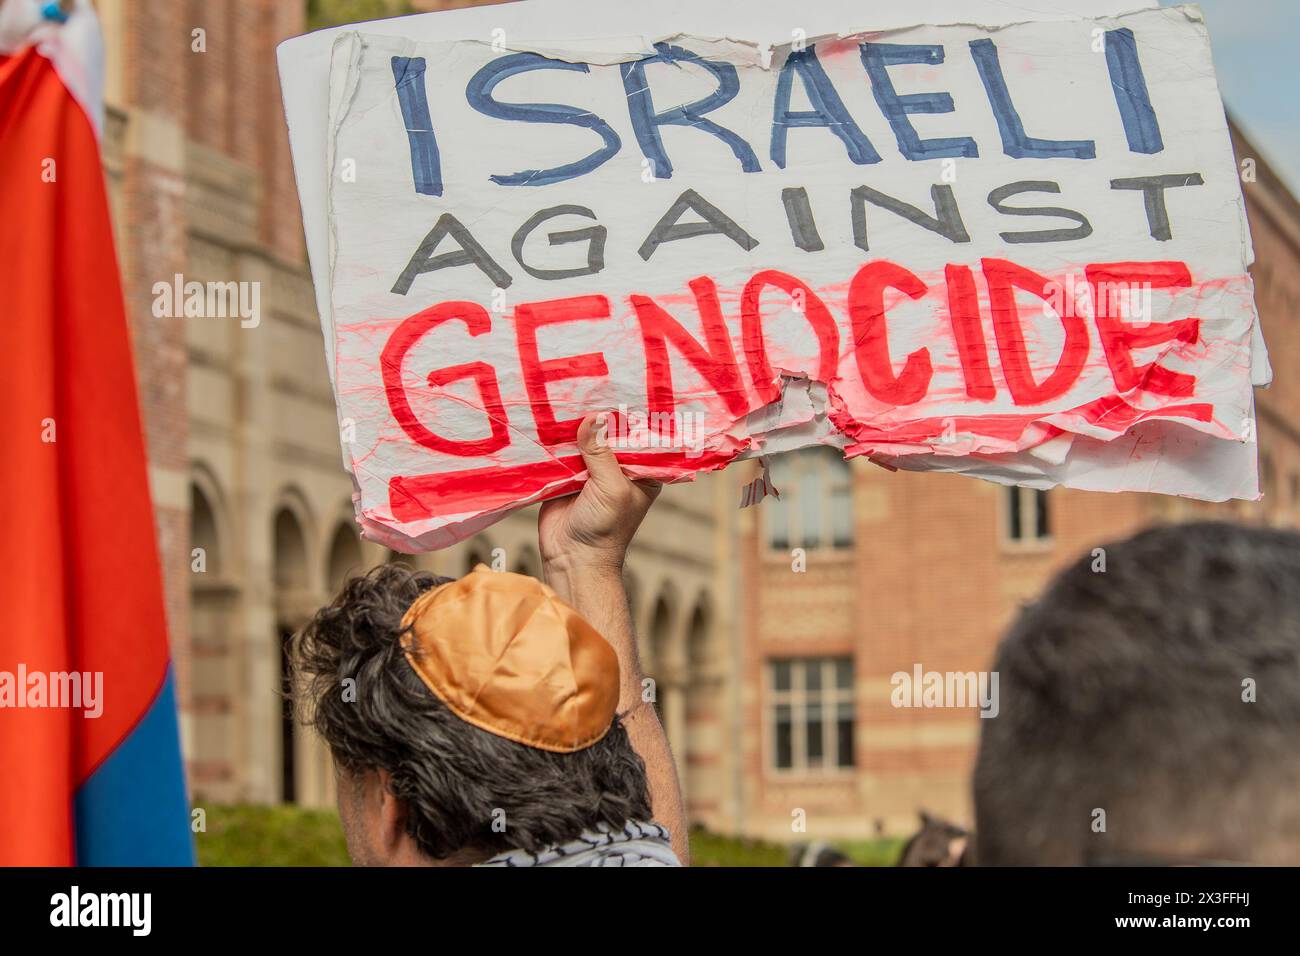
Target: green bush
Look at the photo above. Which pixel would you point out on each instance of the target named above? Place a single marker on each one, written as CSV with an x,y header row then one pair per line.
x,y
295,836
711,849
271,836
329,13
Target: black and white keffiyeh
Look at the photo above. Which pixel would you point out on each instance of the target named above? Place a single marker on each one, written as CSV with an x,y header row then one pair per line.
x,y
636,844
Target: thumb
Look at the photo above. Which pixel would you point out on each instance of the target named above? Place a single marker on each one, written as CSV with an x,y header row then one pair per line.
x,y
593,443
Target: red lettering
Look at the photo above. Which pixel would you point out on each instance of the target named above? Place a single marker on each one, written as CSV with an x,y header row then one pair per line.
x,y
399,344
1119,339
716,362
1004,278
968,330
539,374
711,354
871,339
751,325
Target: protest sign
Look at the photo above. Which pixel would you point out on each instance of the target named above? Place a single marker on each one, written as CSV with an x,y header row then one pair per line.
x,y
1018,252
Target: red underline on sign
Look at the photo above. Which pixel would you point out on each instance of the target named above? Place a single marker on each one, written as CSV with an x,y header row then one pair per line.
x,y
417,497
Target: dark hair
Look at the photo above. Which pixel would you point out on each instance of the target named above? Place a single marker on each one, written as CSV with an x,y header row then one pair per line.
x,y
1125,690
451,775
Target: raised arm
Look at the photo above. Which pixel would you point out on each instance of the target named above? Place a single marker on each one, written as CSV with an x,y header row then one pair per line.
x,y
583,540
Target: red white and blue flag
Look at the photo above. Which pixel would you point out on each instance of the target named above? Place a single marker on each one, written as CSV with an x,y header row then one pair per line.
x,y
90,765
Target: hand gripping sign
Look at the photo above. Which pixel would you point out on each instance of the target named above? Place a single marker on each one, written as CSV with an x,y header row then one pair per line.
x,y
1019,253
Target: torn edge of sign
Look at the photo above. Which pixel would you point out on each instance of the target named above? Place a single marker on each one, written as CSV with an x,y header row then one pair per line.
x,y
804,415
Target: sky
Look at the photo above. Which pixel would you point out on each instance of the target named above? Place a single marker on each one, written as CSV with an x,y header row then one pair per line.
x,y
1256,47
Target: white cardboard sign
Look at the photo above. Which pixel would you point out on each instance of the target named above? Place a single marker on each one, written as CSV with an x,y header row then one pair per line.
x,y
1018,252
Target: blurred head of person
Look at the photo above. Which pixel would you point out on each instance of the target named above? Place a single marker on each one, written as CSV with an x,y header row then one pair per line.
x,y
1150,708
818,854
938,842
419,785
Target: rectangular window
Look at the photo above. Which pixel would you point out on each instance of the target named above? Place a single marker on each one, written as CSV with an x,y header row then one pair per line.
x,y
810,508
844,734
815,509
1043,527
841,517
811,713
784,736
778,523
1015,531
1028,514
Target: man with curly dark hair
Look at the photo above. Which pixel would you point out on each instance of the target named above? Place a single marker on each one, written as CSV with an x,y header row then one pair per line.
x,y
495,720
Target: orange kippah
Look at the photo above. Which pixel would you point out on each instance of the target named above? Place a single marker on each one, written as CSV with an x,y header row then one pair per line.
x,y
505,654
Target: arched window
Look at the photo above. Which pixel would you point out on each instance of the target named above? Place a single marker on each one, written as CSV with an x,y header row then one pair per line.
x,y
528,562
478,552
290,552
211,750
661,625
397,557
344,558
700,745
699,638
314,769
205,548
291,579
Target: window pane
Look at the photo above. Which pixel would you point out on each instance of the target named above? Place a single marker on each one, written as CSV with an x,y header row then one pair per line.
x,y
810,504
844,672
778,509
844,735
784,756
781,675
1014,531
841,518
778,523
1044,528
815,750
781,471
812,670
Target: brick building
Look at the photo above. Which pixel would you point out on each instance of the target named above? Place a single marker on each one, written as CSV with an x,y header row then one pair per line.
x,y
774,685
928,569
